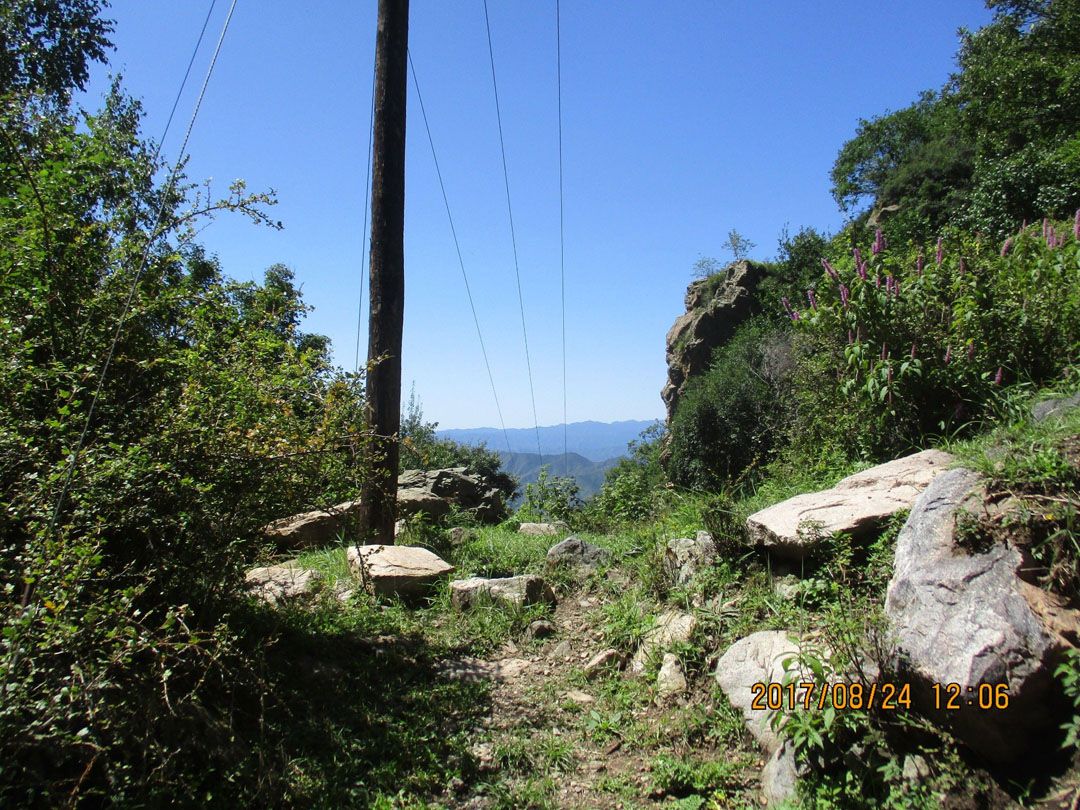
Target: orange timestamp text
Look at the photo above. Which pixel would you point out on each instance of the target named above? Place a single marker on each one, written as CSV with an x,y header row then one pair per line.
x,y
885,696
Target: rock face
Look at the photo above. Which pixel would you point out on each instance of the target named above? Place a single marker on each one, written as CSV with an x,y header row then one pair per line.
x,y
671,627
322,527
856,505
758,658
715,307
432,492
684,557
420,490
275,584
406,571
966,618
577,553
517,592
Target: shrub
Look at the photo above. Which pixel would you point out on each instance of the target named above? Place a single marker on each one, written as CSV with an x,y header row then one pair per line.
x,y
921,343
730,417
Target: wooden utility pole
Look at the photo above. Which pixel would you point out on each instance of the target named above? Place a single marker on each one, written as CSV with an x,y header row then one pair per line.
x,y
387,271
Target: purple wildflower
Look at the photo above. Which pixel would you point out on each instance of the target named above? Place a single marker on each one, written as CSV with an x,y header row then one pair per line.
x,y
1051,237
787,308
1006,246
813,301
997,377
861,270
1076,225
795,315
940,252
963,269
1044,227
850,337
845,294
877,281
858,256
971,351
879,243
913,344
948,354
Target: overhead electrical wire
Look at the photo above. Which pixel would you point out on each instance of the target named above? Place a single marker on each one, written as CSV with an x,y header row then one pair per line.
x,y
562,231
513,237
366,233
457,246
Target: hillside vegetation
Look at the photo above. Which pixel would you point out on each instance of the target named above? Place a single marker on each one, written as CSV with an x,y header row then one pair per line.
x,y
157,415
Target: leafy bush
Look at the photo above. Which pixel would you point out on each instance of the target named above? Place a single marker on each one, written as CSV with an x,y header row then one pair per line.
x,y
923,343
550,498
729,417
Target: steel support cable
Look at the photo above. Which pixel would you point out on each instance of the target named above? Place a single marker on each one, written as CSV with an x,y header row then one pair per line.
x,y
155,232
457,247
366,233
513,237
562,231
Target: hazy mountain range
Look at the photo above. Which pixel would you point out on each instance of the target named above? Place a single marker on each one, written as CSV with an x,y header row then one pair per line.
x,y
593,448
596,441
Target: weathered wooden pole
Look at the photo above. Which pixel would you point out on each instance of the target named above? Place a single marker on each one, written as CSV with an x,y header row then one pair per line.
x,y
387,288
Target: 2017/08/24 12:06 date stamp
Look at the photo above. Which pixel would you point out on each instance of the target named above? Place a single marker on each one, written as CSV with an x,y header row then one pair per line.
x,y
885,696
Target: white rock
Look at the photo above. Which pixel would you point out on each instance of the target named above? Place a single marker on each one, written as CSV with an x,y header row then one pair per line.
x,y
858,503
277,583
671,680
758,658
397,570
517,592
671,627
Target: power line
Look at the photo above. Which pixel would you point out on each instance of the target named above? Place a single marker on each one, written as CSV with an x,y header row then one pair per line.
x,y
562,236
154,234
457,246
183,83
513,237
367,234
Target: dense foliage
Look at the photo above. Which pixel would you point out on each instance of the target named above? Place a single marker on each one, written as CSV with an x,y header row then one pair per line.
x,y
123,528
997,145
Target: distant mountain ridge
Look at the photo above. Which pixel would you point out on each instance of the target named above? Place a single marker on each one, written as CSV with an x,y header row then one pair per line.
x,y
596,441
589,475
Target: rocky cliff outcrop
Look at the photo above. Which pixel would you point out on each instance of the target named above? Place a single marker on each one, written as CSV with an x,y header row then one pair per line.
x,y
715,307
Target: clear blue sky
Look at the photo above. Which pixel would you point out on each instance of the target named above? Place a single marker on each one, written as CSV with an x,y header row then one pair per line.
x,y
682,120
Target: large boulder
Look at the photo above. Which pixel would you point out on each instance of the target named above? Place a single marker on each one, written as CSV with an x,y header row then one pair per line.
x,y
757,659
275,584
315,529
516,592
858,504
434,492
405,571
966,618
715,307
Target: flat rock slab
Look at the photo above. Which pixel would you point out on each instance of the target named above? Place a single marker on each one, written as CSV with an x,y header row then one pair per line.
x,y
406,571
857,504
966,618
514,592
671,627
275,584
758,658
